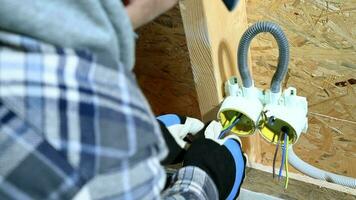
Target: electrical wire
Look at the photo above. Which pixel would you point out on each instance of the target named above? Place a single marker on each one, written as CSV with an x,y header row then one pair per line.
x,y
276,152
222,134
283,156
225,130
286,163
275,156
229,124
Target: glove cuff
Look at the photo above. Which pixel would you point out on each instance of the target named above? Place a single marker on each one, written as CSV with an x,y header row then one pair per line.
x,y
234,147
171,119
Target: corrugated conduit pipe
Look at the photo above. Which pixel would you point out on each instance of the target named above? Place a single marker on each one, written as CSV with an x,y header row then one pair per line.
x,y
283,57
314,172
277,79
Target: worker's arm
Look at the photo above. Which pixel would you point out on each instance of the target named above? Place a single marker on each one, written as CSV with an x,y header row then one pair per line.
x,y
70,126
191,182
144,11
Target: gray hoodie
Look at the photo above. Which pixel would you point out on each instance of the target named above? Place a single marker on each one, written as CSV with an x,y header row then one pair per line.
x,y
101,26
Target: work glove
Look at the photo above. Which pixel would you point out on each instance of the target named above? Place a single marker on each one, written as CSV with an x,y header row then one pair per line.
x,y
175,129
222,159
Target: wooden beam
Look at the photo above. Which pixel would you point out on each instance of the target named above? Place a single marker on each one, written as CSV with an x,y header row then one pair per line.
x,y
213,34
299,187
259,179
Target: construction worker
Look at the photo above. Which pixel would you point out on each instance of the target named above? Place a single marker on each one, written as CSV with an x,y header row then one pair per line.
x,y
75,125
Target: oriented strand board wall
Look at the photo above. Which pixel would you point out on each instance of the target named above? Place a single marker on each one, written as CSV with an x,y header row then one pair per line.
x,y
323,68
163,67
322,37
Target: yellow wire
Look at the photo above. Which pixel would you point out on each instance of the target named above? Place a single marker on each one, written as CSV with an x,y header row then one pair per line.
x,y
224,124
286,165
229,124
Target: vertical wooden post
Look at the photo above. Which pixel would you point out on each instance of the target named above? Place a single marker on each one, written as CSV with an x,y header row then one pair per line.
x,y
213,34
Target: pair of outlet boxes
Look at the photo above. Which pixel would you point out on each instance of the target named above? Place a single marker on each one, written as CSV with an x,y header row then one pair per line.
x,y
270,113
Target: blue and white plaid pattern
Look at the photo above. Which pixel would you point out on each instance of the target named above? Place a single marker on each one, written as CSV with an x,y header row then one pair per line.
x,y
191,183
72,128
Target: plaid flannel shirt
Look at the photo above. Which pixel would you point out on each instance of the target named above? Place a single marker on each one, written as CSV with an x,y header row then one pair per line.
x,y
73,128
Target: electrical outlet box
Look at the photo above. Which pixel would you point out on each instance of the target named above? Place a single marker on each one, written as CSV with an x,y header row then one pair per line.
x,y
243,104
286,113
272,113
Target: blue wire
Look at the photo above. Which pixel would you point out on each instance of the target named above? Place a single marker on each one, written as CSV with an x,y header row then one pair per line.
x,y
230,127
283,155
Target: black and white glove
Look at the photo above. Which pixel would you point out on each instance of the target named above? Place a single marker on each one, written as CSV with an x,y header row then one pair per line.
x,y
175,129
222,159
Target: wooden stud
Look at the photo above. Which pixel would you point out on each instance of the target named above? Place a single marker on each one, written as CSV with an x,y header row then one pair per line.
x,y
213,34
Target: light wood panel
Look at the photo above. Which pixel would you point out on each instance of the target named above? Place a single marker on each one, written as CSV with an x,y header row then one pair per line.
x,y
260,181
212,34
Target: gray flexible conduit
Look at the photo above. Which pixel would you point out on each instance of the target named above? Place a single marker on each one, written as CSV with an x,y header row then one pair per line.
x,y
314,172
283,59
277,79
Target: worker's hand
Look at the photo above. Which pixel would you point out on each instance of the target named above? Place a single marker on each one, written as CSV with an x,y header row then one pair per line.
x,y
144,11
222,159
175,129
213,131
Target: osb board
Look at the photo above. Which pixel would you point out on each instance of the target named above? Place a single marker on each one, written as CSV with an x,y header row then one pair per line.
x,y
322,36
163,67
323,65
